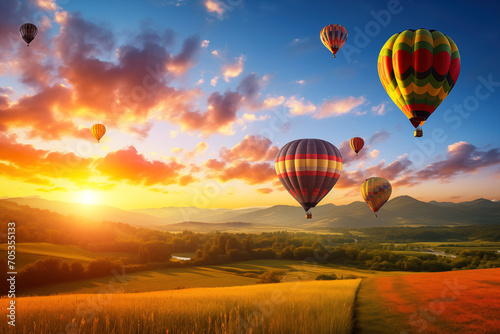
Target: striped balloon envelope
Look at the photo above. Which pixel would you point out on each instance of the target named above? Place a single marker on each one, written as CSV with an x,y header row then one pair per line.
x,y
333,37
376,191
308,169
418,69
357,144
98,130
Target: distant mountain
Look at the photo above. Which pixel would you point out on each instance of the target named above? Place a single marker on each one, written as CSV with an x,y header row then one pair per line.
x,y
94,212
402,210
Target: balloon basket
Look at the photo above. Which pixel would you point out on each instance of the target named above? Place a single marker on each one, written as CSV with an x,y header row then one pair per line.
x,y
419,133
308,215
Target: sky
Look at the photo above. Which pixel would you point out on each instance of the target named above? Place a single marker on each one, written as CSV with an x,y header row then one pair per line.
x,y
199,95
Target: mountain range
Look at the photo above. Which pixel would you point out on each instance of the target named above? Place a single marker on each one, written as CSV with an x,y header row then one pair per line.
x,y
400,211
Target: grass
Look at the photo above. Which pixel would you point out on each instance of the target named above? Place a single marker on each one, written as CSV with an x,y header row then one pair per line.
x,y
299,307
233,274
30,252
465,301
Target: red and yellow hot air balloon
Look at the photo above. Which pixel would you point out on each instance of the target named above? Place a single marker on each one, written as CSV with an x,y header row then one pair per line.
x,y
308,169
333,37
28,32
357,144
418,69
98,130
376,191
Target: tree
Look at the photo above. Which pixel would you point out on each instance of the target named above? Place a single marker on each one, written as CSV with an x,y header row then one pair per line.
x,y
273,276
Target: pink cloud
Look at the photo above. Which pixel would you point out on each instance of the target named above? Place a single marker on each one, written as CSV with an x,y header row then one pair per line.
x,y
251,148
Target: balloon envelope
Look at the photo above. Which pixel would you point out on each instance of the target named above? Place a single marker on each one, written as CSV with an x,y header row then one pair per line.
x,y
418,69
98,130
308,169
28,32
357,144
376,191
333,37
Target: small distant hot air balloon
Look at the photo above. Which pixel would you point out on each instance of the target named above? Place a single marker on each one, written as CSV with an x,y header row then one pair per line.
x,y
357,144
376,191
418,69
308,169
333,37
98,130
28,32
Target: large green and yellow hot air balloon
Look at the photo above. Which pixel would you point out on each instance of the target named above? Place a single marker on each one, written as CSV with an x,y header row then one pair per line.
x,y
308,169
376,191
418,69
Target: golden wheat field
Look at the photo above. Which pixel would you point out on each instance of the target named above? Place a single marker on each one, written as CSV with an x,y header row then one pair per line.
x,y
300,307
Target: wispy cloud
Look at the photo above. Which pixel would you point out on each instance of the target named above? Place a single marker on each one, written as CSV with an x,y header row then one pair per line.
x,y
215,7
339,106
233,69
298,107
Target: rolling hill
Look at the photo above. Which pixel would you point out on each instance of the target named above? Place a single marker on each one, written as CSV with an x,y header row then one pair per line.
x,y
402,210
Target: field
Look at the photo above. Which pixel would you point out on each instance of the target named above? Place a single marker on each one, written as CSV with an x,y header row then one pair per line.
x,y
451,302
299,307
29,252
234,274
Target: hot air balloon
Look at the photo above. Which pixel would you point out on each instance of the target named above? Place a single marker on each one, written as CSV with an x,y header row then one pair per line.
x,y
418,69
357,144
98,130
333,37
376,191
28,32
308,169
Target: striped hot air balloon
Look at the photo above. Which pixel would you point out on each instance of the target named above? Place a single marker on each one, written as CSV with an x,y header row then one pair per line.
x,y
28,32
333,37
98,130
418,69
357,144
308,169
376,191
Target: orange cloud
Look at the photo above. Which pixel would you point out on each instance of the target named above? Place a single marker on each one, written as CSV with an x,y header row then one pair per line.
x,y
234,69
249,173
265,190
130,166
251,148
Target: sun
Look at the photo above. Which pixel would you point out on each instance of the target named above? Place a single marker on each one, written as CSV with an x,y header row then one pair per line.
x,y
87,197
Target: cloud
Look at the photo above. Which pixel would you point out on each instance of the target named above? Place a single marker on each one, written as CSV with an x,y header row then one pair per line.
x,y
215,7
379,137
249,173
199,82
205,43
300,82
251,148
461,158
234,69
138,170
219,117
183,61
187,179
214,164
379,109
249,86
374,154
214,80
298,107
265,190
199,149
21,161
337,106
272,102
